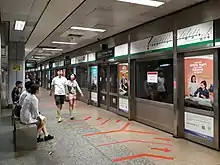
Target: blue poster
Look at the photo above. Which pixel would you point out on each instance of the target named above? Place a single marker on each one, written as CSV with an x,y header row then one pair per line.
x,y
94,77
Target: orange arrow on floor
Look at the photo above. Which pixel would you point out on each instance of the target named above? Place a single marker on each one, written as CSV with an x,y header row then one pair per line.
x,y
161,149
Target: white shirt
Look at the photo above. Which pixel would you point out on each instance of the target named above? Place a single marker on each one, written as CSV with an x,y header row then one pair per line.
x,y
29,110
160,85
22,97
59,85
192,88
72,86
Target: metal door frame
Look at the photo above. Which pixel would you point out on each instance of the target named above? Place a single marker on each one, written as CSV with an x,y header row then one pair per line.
x,y
215,143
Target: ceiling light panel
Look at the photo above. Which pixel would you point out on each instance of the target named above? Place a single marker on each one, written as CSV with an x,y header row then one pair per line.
x,y
87,29
51,49
19,25
144,2
64,43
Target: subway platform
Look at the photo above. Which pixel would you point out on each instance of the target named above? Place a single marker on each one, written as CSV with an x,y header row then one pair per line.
x,y
98,137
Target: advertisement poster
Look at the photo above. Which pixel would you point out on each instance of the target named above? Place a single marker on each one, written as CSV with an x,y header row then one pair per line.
x,y
199,82
123,104
199,125
123,79
152,77
94,77
94,97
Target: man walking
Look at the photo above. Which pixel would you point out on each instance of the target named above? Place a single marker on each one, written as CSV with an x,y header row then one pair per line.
x,y
59,87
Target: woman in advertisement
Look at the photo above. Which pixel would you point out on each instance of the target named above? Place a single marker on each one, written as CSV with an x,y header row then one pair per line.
x,y
72,85
193,86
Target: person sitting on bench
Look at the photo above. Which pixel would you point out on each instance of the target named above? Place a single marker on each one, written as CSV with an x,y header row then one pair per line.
x,y
27,85
30,114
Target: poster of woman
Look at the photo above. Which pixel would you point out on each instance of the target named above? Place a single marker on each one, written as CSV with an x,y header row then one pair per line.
x,y
199,81
123,79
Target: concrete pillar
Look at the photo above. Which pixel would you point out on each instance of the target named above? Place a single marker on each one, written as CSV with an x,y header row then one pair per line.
x,y
16,64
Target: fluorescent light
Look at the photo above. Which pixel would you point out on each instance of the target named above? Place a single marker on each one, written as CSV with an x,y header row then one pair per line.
x,y
164,65
88,29
52,49
64,43
19,25
144,2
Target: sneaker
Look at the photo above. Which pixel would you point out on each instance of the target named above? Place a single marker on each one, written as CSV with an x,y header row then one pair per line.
x,y
49,137
57,116
60,120
72,118
39,139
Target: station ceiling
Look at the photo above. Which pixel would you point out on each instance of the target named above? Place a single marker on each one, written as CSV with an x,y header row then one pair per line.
x,y
49,22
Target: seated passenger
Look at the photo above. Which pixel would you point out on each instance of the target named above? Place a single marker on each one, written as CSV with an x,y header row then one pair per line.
x,y
30,114
28,84
16,92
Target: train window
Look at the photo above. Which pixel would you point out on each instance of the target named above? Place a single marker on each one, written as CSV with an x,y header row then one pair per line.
x,y
154,80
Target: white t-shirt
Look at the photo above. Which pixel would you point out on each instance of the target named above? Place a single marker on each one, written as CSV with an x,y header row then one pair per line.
x,y
29,110
59,85
22,97
193,88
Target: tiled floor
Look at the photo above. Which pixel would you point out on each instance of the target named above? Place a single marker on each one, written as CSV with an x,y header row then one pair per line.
x,y
99,137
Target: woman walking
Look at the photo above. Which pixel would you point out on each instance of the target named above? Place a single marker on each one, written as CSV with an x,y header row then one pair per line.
x,y
72,87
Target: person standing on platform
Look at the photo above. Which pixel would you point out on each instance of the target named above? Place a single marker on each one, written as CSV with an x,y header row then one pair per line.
x,y
59,87
72,87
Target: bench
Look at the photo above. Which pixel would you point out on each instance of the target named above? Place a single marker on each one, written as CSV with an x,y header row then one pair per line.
x,y
25,137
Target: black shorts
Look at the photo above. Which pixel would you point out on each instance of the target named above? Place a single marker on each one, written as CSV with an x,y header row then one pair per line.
x,y
59,99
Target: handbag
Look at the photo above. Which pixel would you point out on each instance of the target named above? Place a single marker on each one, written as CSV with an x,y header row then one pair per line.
x,y
67,99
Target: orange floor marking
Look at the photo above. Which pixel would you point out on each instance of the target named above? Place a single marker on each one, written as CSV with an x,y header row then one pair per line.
x,y
161,149
140,132
123,129
164,139
99,118
142,155
101,133
136,141
105,122
117,121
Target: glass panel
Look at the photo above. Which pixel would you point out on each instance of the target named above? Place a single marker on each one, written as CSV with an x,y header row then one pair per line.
x,y
113,78
113,101
123,79
103,78
81,76
154,80
199,82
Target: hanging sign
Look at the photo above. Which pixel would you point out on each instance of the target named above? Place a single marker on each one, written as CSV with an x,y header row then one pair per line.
x,y
16,67
81,59
121,50
105,54
140,46
73,60
161,41
195,34
152,77
91,57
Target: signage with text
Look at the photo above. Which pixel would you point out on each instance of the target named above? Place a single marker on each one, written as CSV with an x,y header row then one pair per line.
x,y
105,54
